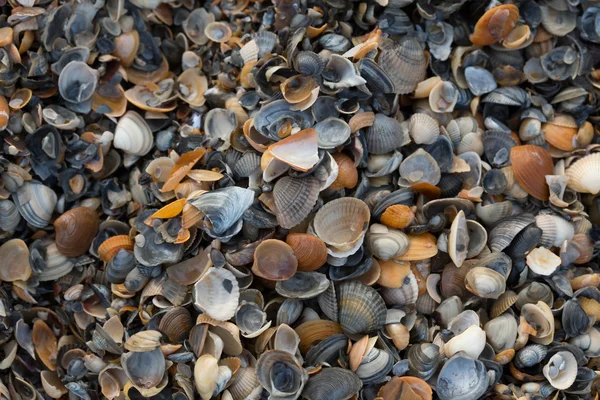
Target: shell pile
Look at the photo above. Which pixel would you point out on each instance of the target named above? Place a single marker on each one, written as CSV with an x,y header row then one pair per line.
x,y
299,199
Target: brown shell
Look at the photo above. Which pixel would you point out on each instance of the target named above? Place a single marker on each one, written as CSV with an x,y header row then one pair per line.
x,y
4,113
274,260
347,173
111,246
453,281
176,324
397,216
503,303
6,36
495,25
45,343
314,331
530,165
561,137
297,88
310,251
14,261
75,231
405,387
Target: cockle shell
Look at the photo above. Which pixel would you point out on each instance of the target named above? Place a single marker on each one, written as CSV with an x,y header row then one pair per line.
x,y
583,174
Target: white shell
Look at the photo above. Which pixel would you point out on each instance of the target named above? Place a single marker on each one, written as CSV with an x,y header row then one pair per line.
x,y
583,174
471,341
133,135
386,243
542,261
423,129
217,294
561,370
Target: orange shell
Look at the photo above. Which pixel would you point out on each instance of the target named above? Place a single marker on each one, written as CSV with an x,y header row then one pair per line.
x,y
495,25
393,273
182,166
561,137
420,247
310,251
397,216
170,210
45,343
347,173
111,246
405,387
4,114
530,165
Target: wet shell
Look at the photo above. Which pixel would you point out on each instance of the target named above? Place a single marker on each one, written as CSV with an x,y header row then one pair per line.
x,y
310,251
294,199
35,203
223,207
583,174
405,64
342,223
361,308
75,231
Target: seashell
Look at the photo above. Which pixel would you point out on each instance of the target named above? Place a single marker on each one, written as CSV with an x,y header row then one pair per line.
x,y
555,230
533,293
294,199
420,247
530,355
419,167
15,261
376,364
35,203
588,342
77,82
361,308
340,73
582,174
501,332
405,386
540,316
393,274
144,369
217,293
575,321
297,88
279,372
191,87
423,129
462,378
506,229
542,261
491,213
133,135
303,285
120,266
223,207
458,239
9,215
309,250
557,23
485,282
111,246
561,370
386,243
562,137
471,342
75,231
176,324
195,25
299,151
423,360
378,81
404,62
52,384
251,319
347,173
397,216
480,80
503,303
219,124
45,344
332,383
218,32
274,260
385,135
309,63
332,132
495,24
342,223
443,97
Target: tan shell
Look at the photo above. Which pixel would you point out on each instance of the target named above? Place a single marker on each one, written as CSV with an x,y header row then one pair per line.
x,y
342,223
297,88
274,260
495,24
14,261
583,174
347,173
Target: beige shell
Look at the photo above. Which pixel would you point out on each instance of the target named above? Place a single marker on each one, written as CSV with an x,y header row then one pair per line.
x,y
458,239
423,129
133,135
542,261
341,223
583,174
217,294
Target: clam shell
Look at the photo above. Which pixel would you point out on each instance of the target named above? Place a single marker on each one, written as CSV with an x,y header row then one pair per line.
x,y
223,207
35,203
361,308
419,167
217,294
503,303
332,384
279,372
274,260
485,282
386,243
133,135
77,82
506,229
342,223
583,174
462,378
404,62
75,231
458,239
561,370
303,285
555,230
15,261
385,135
9,215
310,251
332,132
144,369
495,24
294,199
